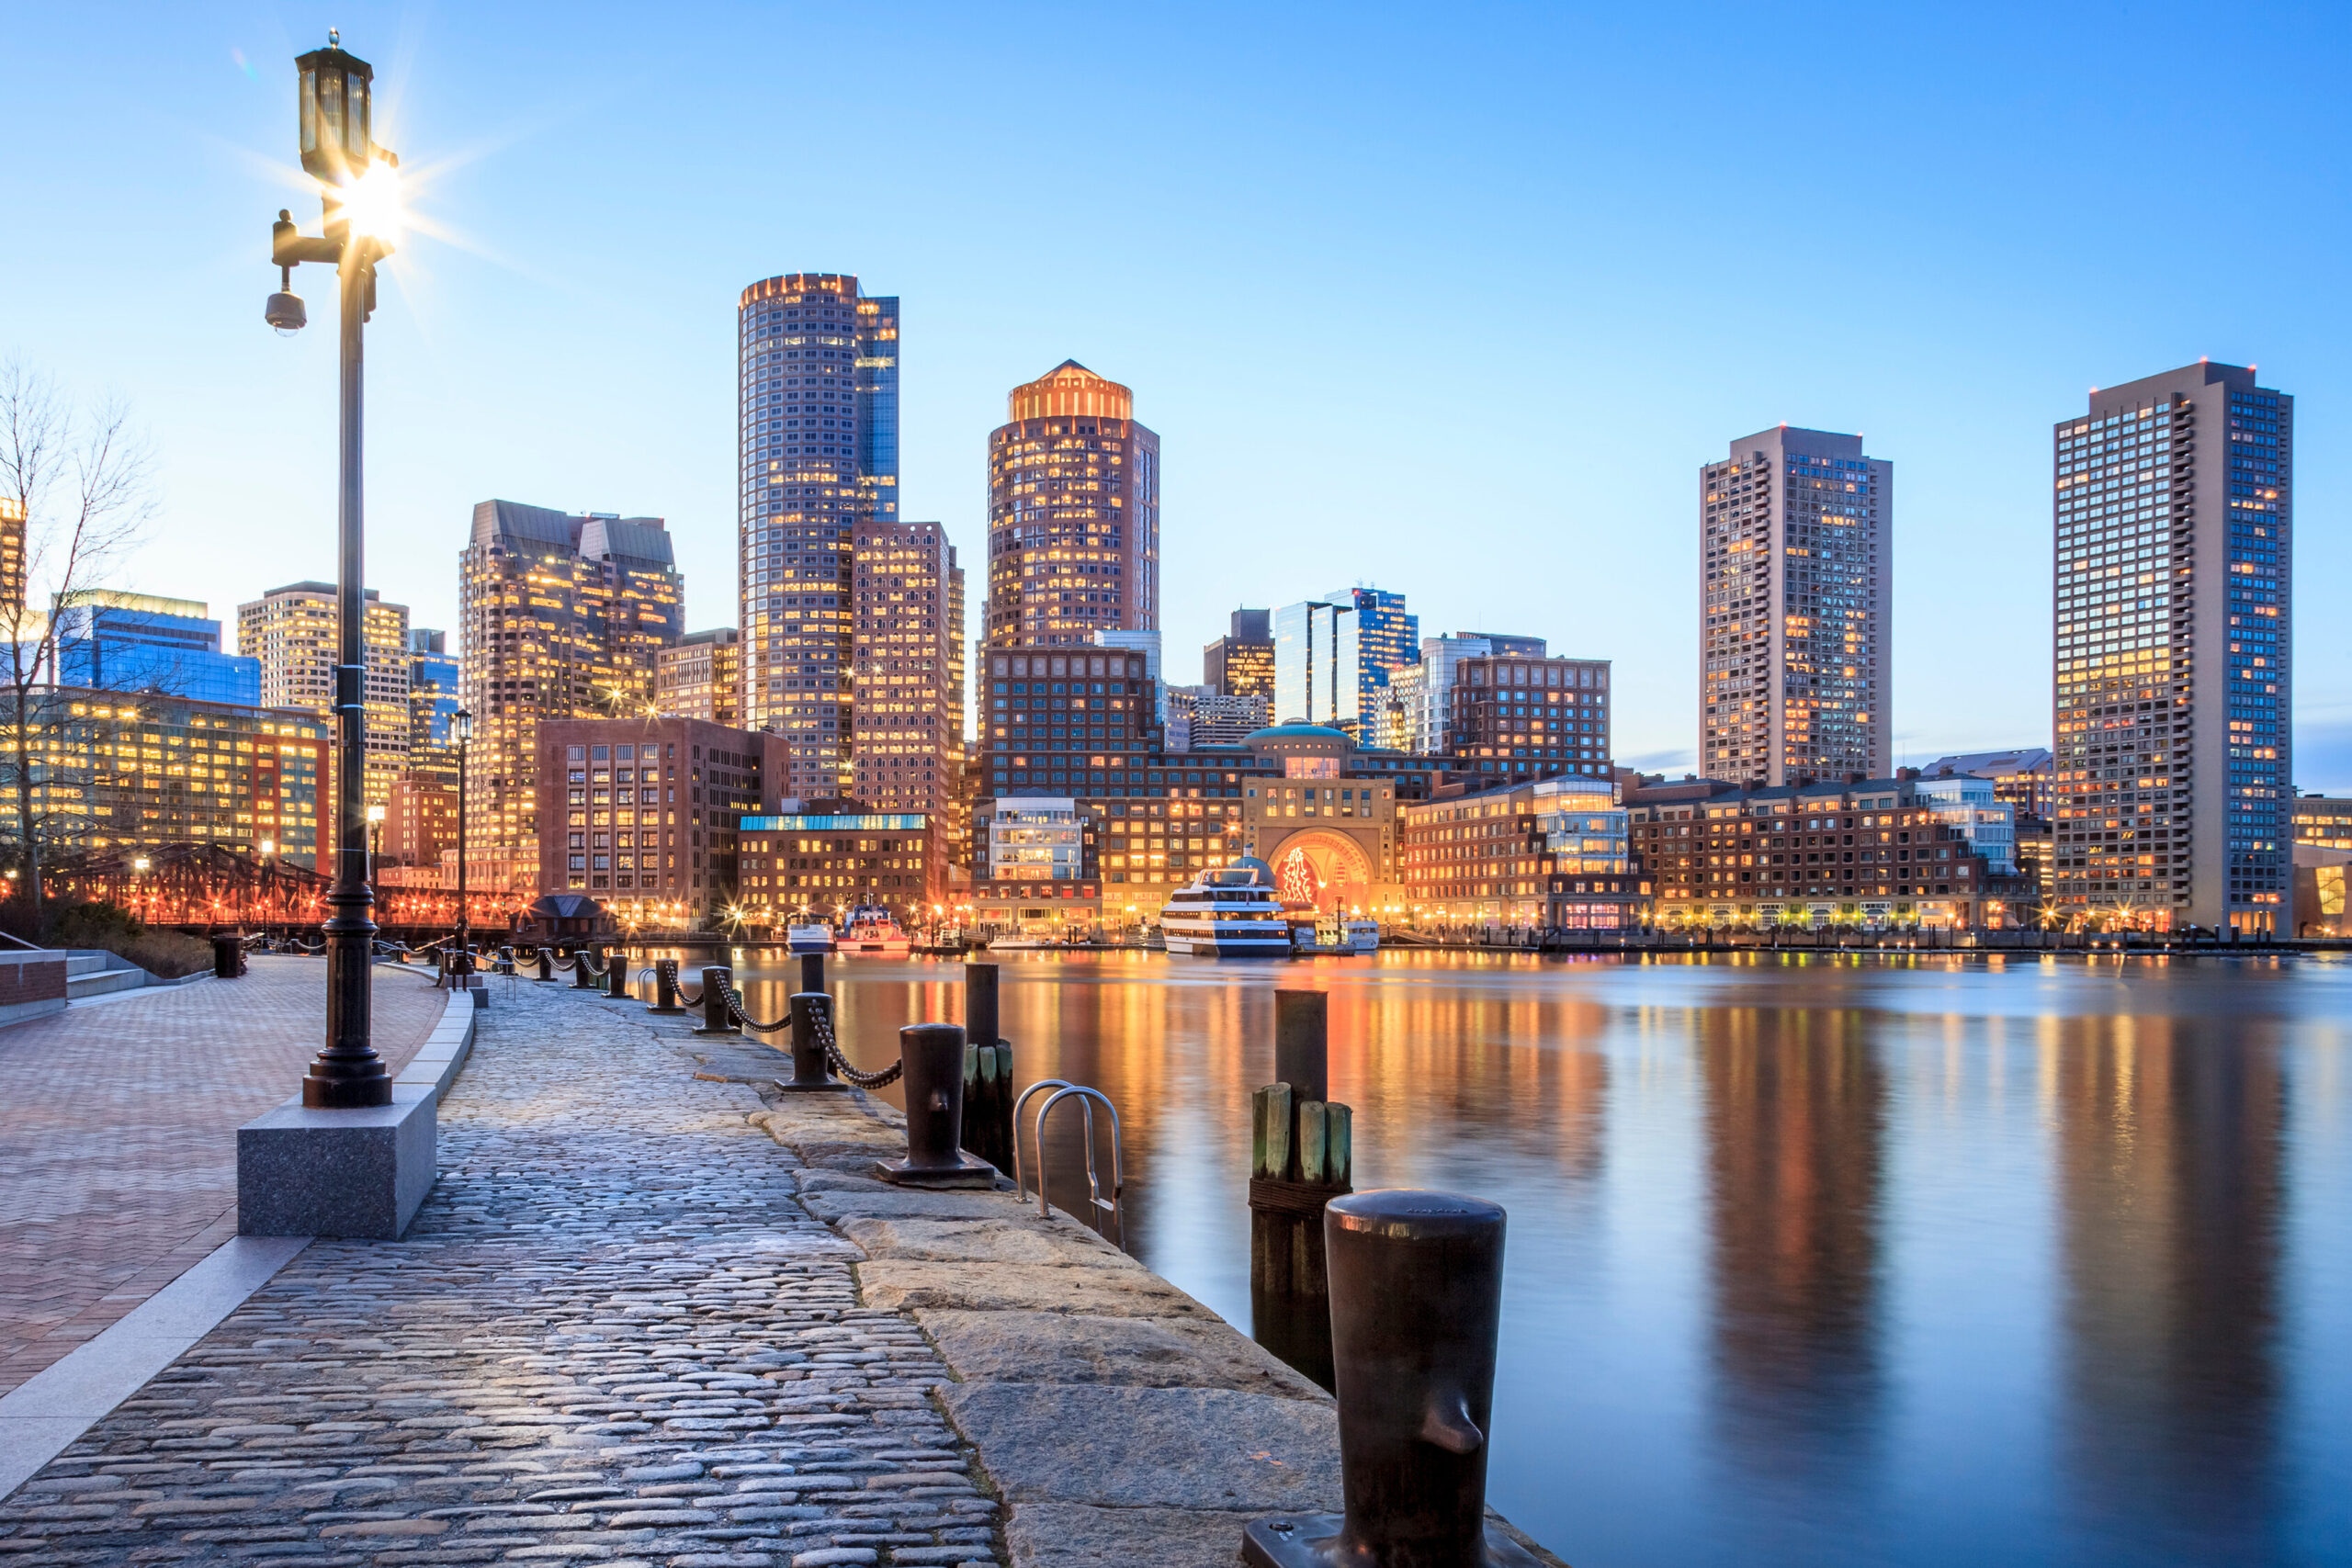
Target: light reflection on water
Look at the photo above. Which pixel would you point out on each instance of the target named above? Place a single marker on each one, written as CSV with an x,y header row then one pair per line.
x,y
1811,1260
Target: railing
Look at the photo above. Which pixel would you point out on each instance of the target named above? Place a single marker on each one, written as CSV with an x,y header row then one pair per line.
x,y
1098,1206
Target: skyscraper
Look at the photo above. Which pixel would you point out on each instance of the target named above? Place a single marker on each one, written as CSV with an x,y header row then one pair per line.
x,y
2173,508
434,698
112,641
560,617
1241,662
292,631
1073,513
1388,639
817,446
908,668
701,677
1317,665
1796,537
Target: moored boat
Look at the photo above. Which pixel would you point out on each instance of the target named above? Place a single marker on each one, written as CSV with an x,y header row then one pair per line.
x,y
810,937
872,933
1231,912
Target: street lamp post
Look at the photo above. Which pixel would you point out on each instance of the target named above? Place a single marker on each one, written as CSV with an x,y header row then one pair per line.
x,y
465,722
339,151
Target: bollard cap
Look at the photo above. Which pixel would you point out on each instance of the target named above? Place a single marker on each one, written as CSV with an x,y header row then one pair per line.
x,y
1409,1213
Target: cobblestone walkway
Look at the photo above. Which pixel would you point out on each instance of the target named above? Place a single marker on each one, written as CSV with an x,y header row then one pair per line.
x,y
612,1336
118,1136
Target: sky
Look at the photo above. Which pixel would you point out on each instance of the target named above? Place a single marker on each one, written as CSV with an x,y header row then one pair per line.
x,y
1453,300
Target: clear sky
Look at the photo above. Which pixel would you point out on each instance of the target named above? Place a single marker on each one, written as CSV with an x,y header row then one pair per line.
x,y
1450,299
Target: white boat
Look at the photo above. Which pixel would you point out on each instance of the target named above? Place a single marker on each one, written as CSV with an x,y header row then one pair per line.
x,y
1230,913
1331,937
809,938
872,933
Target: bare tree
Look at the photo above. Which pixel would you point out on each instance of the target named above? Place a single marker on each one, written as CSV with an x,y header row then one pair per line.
x,y
80,481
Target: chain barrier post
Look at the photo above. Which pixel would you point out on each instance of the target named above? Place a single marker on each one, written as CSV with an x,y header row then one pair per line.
x,y
930,1057
617,975
583,968
810,1069
665,987
546,976
717,1001
1416,1289
812,971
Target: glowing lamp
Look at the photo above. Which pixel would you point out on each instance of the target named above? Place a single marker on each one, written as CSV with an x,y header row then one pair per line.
x,y
334,93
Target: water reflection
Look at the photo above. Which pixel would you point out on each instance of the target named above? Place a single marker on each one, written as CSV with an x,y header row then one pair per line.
x,y
1812,1259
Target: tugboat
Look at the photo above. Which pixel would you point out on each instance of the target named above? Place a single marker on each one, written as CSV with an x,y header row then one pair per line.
x,y
872,933
1229,913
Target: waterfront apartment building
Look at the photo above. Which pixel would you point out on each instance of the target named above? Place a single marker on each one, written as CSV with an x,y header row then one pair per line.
x,y
1796,532
419,821
136,770
2173,506
1241,662
817,451
112,641
2322,821
562,616
292,631
1527,718
1073,515
1866,852
1549,853
828,857
644,814
907,744
2020,777
700,677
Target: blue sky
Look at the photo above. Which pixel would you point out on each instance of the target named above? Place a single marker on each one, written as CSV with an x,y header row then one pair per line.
x,y
1453,300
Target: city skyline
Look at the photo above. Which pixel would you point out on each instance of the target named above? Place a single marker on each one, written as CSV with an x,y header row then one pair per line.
x,y
1962,360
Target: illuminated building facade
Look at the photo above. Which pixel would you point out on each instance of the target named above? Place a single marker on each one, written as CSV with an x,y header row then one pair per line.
x,y
1197,717
2174,563
110,641
1868,853
2322,821
435,696
1073,515
1387,641
1554,854
1530,717
2020,777
12,553
419,821
562,617
1323,820
700,677
908,748
1241,662
1795,628
818,449
833,856
292,631
644,814
117,771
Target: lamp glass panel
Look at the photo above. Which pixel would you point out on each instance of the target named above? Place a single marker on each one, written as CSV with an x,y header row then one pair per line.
x,y
309,112
330,107
354,133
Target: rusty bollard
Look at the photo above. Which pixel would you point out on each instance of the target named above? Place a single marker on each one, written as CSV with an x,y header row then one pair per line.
x,y
1416,1292
665,987
930,1057
583,969
717,1017
811,1070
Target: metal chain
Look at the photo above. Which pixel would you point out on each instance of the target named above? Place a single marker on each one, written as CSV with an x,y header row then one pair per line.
x,y
735,1005
824,1020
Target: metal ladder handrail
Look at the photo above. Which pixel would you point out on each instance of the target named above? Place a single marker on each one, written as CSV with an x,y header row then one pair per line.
x,y
1021,1187
1085,1096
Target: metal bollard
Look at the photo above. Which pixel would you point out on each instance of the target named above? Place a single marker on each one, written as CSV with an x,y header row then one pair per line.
x,y
228,956
547,966
932,1056
617,975
1416,1289
583,968
812,971
716,1018
665,987
809,1068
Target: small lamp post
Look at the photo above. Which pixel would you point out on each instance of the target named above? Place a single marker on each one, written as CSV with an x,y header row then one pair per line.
x,y
375,842
146,891
334,132
464,720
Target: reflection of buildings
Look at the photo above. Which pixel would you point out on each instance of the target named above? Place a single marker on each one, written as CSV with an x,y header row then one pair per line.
x,y
2168,1152
1795,1114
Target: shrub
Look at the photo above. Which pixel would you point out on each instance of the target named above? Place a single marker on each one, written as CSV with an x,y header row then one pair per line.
x,y
167,955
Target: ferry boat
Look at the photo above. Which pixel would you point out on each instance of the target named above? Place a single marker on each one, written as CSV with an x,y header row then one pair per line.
x,y
873,934
1331,937
1230,913
810,937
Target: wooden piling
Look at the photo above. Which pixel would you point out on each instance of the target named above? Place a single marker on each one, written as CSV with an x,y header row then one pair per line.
x,y
988,1072
1301,1149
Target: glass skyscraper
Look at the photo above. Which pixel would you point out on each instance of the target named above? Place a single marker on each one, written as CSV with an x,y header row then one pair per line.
x,y
2173,506
1318,673
818,450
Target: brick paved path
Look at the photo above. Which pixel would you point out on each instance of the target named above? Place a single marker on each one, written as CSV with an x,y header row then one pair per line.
x,y
118,1136
612,1336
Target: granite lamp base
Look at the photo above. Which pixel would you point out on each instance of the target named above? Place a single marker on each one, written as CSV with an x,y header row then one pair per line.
x,y
343,1173
1312,1540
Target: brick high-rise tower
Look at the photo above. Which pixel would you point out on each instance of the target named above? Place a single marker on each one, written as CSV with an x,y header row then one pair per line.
x,y
1073,515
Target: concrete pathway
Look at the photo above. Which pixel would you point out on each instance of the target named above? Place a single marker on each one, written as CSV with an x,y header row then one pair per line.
x,y
118,1136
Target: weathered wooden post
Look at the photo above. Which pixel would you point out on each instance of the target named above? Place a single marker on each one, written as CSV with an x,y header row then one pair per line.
x,y
812,971
1301,1156
988,1071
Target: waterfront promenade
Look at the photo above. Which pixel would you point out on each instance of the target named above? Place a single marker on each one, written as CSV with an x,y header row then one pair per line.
x,y
118,1136
647,1316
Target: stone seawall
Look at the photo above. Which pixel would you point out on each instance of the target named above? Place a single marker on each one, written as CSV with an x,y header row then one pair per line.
x,y
1120,1420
